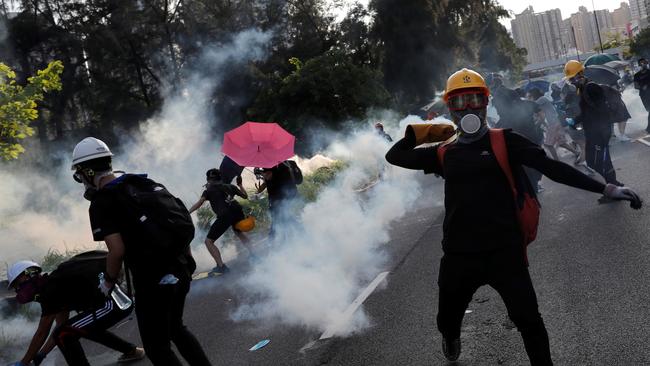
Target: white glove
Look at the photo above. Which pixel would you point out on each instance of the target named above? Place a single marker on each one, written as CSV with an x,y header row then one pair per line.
x,y
106,287
623,193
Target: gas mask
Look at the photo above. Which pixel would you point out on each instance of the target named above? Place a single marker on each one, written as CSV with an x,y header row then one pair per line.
x,y
90,180
471,124
28,290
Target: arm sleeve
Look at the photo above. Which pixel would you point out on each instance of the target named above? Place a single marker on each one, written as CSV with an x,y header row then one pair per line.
x,y
103,220
405,155
524,152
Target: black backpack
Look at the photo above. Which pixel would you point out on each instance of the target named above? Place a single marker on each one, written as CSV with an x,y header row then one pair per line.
x,y
160,217
294,171
615,105
83,271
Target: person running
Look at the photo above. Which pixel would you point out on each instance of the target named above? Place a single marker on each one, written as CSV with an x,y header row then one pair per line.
x,y
642,84
281,183
228,211
153,243
72,286
482,240
595,120
555,133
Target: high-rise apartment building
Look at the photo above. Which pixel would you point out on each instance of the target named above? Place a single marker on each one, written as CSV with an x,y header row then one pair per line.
x,y
639,9
539,33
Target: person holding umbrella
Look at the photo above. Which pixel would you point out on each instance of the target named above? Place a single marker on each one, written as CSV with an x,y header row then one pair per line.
x,y
595,118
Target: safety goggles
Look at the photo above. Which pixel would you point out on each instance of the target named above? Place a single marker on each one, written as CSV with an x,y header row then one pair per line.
x,y
31,274
467,100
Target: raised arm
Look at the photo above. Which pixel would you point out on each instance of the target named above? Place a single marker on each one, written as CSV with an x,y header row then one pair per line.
x,y
405,154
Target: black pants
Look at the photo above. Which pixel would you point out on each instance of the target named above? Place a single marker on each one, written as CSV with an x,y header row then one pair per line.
x,y
160,319
460,276
598,156
647,129
91,325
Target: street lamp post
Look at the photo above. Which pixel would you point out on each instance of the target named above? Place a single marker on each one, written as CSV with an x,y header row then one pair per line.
x,y
600,41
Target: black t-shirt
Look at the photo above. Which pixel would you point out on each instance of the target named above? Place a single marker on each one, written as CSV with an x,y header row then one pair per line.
x,y
595,116
109,215
281,185
222,197
62,293
479,207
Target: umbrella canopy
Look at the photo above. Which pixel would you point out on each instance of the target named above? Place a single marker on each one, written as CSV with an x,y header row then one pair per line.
x,y
600,59
262,145
602,74
540,84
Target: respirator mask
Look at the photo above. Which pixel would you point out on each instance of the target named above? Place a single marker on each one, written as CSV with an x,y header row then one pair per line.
x,y
469,111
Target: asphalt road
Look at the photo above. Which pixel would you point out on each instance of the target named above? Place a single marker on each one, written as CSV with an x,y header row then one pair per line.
x,y
589,266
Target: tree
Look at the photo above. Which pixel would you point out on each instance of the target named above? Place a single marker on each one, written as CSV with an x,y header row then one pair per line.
x,y
329,88
640,45
18,105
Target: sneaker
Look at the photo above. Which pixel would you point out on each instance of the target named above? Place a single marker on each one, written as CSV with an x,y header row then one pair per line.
x,y
216,271
451,349
135,355
540,189
623,138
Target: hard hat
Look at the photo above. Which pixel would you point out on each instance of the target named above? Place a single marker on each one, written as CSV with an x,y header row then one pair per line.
x,y
246,224
465,79
89,148
19,268
572,68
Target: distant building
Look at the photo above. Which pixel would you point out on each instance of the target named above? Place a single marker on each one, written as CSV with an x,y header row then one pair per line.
x,y
639,9
539,33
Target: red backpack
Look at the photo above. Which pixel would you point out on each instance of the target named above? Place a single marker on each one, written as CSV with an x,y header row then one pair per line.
x,y
527,206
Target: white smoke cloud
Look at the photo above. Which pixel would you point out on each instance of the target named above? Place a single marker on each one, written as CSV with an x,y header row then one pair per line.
x,y
311,278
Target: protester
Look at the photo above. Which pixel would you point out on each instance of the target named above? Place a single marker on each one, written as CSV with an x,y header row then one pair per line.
x,y
555,133
595,119
150,229
568,107
70,287
281,183
642,84
521,116
379,128
228,211
482,241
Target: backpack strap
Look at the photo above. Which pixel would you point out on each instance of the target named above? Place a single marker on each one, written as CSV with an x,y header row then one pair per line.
x,y
500,150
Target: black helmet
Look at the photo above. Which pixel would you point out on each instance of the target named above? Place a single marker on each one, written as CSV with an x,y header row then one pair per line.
x,y
213,174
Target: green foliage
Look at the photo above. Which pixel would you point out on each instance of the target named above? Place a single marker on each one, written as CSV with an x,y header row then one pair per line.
x,y
329,88
18,105
640,45
55,257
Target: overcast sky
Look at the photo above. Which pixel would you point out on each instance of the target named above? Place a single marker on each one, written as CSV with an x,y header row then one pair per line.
x,y
567,7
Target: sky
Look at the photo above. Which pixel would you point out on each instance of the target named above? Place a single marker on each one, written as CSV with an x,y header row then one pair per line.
x,y
567,7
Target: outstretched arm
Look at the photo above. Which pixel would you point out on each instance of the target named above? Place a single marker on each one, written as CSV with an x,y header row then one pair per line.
x,y
198,204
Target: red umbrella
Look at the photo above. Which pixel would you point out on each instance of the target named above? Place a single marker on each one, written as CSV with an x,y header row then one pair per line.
x,y
262,145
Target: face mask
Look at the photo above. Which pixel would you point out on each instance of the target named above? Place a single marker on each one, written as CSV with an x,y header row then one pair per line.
x,y
472,126
27,291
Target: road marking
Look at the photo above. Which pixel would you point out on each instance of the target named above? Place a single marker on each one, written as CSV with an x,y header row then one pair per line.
x,y
352,308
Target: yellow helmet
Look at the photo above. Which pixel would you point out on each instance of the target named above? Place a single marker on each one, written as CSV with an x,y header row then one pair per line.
x,y
246,224
572,68
465,79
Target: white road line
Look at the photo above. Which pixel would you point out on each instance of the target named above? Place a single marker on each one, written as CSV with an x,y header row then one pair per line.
x,y
352,308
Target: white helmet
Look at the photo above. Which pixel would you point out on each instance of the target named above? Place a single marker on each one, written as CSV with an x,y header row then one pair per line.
x,y
19,268
88,149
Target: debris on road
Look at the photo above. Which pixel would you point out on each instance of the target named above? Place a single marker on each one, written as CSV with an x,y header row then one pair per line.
x,y
260,344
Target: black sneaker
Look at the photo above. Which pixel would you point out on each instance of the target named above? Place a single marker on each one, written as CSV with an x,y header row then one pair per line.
x,y
218,271
451,349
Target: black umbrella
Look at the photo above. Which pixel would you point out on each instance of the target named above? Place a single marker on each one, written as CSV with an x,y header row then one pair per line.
x,y
602,74
229,169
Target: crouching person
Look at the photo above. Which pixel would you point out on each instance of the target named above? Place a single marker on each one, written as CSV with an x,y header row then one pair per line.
x,y
72,286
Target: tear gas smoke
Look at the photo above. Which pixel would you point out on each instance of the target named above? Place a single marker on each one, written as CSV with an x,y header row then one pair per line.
x,y
310,278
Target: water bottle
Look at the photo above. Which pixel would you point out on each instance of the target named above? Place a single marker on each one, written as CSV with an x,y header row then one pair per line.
x,y
119,297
